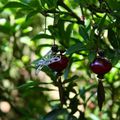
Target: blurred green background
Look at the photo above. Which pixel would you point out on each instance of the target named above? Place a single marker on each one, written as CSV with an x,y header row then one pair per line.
x,y
81,27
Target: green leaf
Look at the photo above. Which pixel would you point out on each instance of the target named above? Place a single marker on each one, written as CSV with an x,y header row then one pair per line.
x,y
112,38
32,84
85,89
49,4
54,31
31,14
5,28
35,88
91,56
83,33
17,5
71,79
39,88
116,14
52,3
67,70
90,87
82,93
29,84
114,5
54,113
102,22
39,36
61,30
92,94
50,73
68,32
75,48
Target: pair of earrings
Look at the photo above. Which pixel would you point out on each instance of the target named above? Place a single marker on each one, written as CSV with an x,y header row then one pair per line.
x,y
57,61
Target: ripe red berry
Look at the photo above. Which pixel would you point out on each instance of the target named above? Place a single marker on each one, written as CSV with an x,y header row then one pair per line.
x,y
60,65
100,66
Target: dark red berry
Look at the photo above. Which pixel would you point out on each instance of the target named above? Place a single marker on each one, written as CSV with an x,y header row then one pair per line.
x,y
100,66
59,66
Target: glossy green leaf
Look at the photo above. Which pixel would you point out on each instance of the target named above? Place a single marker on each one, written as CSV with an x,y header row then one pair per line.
x,y
68,32
75,48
